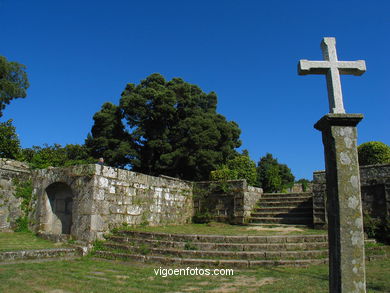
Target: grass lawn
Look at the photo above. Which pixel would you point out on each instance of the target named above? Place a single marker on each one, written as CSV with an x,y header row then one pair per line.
x,y
92,275
225,229
24,241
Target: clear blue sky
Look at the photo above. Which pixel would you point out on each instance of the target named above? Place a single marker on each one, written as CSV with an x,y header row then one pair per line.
x,y
80,54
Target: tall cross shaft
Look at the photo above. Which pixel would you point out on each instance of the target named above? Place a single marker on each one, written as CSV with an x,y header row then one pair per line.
x,y
332,68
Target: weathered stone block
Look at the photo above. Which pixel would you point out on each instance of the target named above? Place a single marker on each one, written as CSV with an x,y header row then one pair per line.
x,y
134,210
97,223
99,194
110,172
102,182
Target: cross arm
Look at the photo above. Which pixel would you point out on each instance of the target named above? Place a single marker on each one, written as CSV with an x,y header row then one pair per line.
x,y
352,67
321,67
313,67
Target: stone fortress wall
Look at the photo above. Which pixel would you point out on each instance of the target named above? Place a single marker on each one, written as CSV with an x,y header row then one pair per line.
x,y
229,202
87,201
375,190
10,206
95,199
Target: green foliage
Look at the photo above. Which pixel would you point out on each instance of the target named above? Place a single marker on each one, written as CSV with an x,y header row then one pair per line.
x,y
223,174
190,246
109,138
371,225
373,152
202,217
304,183
56,156
23,191
376,227
144,249
98,245
144,221
272,176
13,82
9,141
272,181
240,167
21,224
172,128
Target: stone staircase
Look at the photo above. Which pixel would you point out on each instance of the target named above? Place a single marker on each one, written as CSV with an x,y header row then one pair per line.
x,y
215,250
219,250
284,208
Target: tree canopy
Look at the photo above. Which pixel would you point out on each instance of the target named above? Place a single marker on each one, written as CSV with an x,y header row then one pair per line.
x,y
109,139
13,82
9,141
56,156
374,152
273,176
240,167
171,128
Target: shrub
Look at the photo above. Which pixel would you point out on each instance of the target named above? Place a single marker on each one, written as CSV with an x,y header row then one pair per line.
x,y
24,192
240,167
377,228
223,174
202,218
21,224
373,152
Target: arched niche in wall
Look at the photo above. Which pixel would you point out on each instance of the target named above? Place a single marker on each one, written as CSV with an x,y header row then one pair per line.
x,y
60,197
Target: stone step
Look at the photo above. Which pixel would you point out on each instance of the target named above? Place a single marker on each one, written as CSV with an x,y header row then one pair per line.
x,y
220,238
243,255
285,195
211,263
285,199
300,226
291,214
7,256
311,244
282,220
278,204
285,209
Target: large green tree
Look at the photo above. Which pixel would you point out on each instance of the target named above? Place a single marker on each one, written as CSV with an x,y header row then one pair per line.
x,y
108,138
13,82
9,141
273,176
172,128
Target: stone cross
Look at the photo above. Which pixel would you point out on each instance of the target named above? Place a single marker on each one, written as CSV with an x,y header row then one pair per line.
x,y
332,68
344,205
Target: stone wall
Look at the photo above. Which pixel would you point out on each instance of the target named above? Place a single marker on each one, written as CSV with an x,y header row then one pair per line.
x,y
10,206
102,198
375,189
298,187
123,196
87,201
230,202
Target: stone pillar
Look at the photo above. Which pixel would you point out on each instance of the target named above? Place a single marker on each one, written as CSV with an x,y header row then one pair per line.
x,y
344,205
